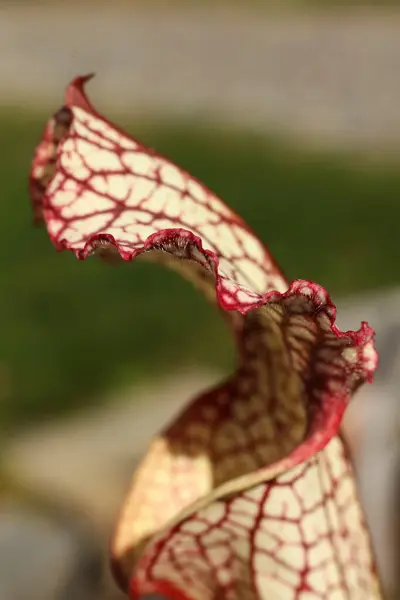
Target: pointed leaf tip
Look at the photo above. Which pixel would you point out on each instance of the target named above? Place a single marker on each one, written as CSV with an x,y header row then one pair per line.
x,y
75,94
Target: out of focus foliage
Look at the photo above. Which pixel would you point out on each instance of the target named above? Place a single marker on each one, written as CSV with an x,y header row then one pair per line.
x,y
71,330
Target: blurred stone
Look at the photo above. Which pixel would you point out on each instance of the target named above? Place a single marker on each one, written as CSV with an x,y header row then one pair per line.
x,y
87,461
328,77
83,463
45,559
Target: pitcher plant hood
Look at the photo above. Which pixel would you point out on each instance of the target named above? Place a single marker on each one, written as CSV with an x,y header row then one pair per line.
x,y
249,492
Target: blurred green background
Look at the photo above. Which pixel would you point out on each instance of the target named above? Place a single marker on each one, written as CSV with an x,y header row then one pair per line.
x,y
72,331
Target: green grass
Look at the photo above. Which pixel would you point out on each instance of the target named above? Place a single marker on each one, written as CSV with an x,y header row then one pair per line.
x,y
71,330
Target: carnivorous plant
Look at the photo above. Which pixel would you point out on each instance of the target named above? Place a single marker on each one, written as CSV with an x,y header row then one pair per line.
x,y
249,493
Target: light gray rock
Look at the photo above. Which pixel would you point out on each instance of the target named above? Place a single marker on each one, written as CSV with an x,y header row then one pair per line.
x,y
45,559
87,461
84,462
326,77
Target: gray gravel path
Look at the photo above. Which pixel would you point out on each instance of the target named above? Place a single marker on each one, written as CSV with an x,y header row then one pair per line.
x,y
335,78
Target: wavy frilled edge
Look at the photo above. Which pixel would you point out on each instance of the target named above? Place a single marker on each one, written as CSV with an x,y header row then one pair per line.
x,y
66,138
317,295
361,340
327,423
